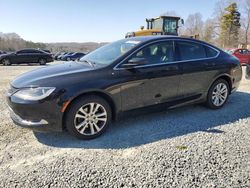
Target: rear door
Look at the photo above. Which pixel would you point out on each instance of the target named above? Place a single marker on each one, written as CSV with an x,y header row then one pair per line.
x,y
34,56
198,64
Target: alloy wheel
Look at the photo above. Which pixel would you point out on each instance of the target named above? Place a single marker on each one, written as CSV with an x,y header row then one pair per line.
x,y
42,61
90,119
220,94
6,62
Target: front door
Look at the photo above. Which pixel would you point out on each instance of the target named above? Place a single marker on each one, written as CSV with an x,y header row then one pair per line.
x,y
156,81
21,57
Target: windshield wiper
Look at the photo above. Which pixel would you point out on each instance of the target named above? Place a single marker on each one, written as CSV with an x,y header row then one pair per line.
x,y
88,62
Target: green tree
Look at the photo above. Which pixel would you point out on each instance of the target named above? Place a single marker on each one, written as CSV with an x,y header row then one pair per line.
x,y
208,31
229,26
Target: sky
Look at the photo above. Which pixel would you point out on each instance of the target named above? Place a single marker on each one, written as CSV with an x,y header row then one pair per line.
x,y
89,20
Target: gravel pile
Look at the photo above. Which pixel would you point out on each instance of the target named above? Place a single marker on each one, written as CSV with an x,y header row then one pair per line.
x,y
186,147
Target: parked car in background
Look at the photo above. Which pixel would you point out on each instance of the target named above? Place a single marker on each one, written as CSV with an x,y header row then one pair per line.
x,y
56,55
60,57
26,56
227,51
2,52
73,57
129,74
242,54
67,54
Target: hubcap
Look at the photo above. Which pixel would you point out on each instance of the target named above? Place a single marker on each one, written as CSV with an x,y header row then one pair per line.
x,y
219,94
6,62
42,61
90,119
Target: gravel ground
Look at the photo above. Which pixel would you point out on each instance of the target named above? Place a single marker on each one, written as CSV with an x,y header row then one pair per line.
x,y
186,147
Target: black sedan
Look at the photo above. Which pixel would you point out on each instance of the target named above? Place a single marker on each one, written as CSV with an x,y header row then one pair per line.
x,y
2,52
73,56
60,57
84,97
56,55
26,56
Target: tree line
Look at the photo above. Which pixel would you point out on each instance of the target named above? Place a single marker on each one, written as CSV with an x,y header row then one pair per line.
x,y
228,27
13,42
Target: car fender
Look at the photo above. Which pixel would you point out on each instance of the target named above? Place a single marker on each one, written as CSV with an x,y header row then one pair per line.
x,y
230,78
114,101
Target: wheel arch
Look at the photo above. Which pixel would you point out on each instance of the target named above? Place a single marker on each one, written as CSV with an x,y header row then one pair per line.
x,y
225,77
8,58
101,94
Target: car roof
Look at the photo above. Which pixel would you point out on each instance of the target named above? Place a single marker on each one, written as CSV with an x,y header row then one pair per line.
x,y
30,49
150,38
161,37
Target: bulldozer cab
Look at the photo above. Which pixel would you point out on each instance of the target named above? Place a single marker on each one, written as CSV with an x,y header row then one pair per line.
x,y
168,25
163,25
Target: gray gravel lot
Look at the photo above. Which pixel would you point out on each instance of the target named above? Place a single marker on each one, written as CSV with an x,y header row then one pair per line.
x,y
190,146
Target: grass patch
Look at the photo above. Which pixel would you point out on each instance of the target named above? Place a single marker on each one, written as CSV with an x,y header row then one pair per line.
x,y
181,147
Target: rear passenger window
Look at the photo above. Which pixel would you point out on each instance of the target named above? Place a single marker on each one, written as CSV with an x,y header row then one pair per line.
x,y
245,52
190,51
211,52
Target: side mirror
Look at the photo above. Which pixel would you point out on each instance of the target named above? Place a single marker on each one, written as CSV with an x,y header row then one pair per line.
x,y
134,62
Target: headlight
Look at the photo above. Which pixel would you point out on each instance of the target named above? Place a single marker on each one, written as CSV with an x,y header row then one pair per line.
x,y
34,94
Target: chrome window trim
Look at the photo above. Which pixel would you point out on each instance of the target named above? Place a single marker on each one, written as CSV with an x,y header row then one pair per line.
x,y
173,62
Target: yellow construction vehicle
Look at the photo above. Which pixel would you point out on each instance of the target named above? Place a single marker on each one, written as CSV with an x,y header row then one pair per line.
x,y
163,25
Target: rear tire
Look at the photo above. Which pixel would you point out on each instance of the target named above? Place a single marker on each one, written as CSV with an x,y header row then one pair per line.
x,y
42,61
218,94
6,62
88,117
68,59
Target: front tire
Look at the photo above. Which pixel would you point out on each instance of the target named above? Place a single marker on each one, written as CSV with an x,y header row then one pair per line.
x,y
218,94
6,62
88,117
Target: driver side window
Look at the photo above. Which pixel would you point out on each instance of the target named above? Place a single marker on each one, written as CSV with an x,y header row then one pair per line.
x,y
157,53
20,52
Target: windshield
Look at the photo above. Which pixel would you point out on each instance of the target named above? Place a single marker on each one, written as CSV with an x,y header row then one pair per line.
x,y
157,24
170,26
110,52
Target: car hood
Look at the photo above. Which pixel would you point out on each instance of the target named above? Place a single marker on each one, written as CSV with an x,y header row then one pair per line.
x,y
45,75
7,54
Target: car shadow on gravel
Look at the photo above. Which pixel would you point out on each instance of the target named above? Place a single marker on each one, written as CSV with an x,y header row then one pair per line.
x,y
144,129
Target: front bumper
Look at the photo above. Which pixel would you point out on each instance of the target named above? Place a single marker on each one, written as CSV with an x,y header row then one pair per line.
x,y
39,116
25,123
